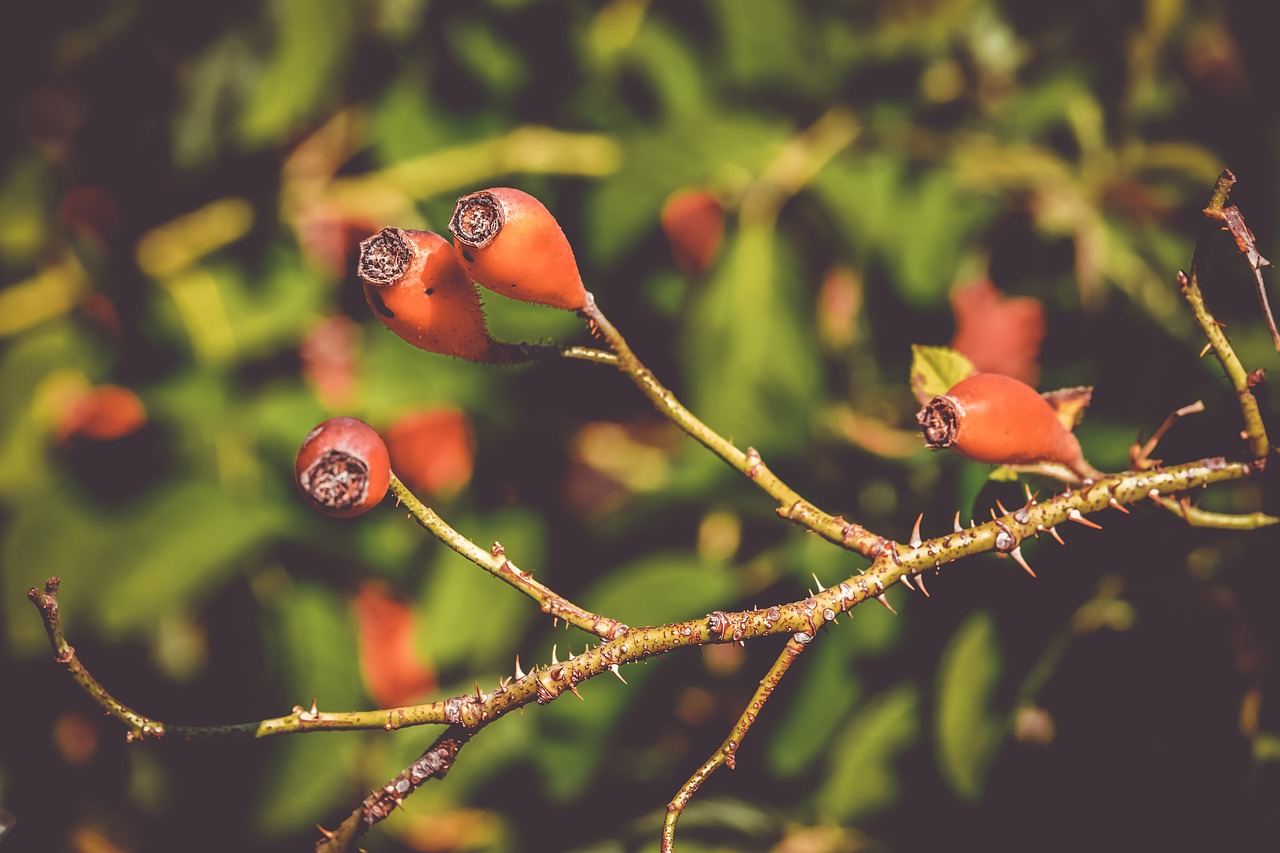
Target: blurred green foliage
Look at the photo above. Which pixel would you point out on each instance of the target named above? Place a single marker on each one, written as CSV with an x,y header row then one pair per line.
x,y
181,191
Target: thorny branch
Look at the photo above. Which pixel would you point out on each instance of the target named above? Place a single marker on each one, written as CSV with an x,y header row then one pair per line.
x,y
891,562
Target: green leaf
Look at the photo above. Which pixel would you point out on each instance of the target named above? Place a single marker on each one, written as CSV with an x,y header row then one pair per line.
x,y
311,634
167,550
826,690
639,593
687,151
752,357
862,779
467,616
968,732
935,370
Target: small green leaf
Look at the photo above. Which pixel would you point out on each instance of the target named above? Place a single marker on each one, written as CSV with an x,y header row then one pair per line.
x,y
468,617
934,370
312,636
967,730
862,780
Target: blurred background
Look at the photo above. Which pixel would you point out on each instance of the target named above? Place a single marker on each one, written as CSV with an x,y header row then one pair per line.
x,y
773,199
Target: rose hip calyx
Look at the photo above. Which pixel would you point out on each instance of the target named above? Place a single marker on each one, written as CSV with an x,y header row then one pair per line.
x,y
384,257
477,219
336,481
940,420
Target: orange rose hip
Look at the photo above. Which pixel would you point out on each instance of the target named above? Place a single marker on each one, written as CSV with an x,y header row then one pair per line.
x,y
414,285
508,242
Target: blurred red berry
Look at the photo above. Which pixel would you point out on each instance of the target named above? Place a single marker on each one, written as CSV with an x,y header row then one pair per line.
x,y
105,413
389,662
693,221
432,451
998,334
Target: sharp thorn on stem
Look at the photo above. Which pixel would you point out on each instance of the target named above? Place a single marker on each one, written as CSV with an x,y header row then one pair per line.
x,y
1115,503
915,540
821,588
554,659
1016,553
956,524
920,580
615,671
880,598
519,671
906,581
1003,511
1053,531
1078,518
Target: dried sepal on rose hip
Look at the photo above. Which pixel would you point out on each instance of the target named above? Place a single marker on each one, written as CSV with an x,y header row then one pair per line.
x,y
999,420
343,468
508,242
414,285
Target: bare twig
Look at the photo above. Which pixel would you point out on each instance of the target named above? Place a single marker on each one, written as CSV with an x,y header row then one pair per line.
x,y
1255,431
434,763
1140,456
726,754
495,562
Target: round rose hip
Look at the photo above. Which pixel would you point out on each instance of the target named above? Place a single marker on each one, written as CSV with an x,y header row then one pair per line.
x,y
343,468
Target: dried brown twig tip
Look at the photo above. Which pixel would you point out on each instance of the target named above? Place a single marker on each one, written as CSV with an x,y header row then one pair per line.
x,y
384,257
477,219
1140,454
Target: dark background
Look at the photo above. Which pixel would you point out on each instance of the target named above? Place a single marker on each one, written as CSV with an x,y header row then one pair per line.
x,y
1062,150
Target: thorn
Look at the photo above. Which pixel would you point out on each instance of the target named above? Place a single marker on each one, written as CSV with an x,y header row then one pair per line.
x,y
479,695
519,671
920,580
617,673
571,653
575,692
880,598
1075,516
1115,503
1003,511
1053,531
1206,349
993,514
554,660
915,540
1016,553
314,710
821,588
956,523
906,581
1031,498
327,833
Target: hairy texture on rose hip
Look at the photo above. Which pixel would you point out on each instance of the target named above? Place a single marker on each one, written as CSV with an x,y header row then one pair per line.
x,y
508,242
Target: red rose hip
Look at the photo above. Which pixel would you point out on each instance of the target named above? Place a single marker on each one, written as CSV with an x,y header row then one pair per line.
x,y
343,468
1001,421
508,242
